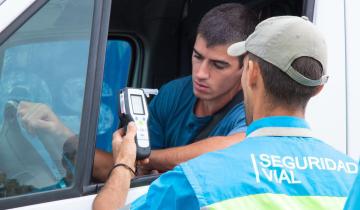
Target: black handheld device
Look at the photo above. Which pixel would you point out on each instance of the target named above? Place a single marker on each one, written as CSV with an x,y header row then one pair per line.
x,y
133,107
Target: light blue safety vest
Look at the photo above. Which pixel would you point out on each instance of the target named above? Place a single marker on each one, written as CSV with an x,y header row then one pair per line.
x,y
280,165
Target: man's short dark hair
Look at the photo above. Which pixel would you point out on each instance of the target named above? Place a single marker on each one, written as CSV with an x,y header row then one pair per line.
x,y
281,88
227,24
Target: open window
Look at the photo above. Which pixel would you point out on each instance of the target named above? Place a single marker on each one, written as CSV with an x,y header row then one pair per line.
x,y
162,34
119,55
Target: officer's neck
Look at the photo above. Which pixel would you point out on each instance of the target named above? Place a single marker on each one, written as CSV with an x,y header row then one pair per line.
x,y
278,112
267,108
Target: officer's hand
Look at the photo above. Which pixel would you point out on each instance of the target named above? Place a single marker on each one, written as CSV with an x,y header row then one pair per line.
x,y
124,147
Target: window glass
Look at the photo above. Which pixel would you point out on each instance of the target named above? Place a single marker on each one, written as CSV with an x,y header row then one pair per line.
x,y
117,65
42,78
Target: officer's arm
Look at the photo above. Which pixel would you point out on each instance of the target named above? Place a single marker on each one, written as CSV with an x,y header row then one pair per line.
x,y
166,159
113,194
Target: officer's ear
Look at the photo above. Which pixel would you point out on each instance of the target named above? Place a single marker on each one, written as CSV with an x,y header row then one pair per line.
x,y
318,90
254,75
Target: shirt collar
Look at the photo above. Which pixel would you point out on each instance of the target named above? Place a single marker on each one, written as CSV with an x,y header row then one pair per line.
x,y
277,121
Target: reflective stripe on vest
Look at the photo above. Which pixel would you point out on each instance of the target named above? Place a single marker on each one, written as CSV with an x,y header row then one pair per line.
x,y
269,201
282,131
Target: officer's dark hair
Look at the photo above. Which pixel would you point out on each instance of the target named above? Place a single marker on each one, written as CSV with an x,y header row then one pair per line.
x,y
227,24
281,88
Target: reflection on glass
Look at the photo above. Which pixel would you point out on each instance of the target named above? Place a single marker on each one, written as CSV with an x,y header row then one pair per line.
x,y
106,119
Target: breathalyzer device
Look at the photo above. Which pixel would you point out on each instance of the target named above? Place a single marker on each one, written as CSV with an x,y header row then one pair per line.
x,y
133,107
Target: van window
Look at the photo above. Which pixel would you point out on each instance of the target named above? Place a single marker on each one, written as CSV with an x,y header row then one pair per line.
x,y
117,65
42,81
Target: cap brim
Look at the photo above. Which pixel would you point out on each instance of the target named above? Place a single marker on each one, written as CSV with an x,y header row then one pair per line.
x,y
236,49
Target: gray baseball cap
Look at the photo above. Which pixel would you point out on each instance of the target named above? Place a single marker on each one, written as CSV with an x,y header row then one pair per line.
x,y
280,40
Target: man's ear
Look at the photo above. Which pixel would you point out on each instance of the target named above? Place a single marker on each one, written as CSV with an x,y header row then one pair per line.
x,y
253,73
318,89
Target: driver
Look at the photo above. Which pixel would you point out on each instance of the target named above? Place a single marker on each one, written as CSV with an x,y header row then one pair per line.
x,y
181,115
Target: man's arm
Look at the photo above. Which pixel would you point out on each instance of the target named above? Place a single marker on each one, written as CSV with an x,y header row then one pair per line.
x,y
167,159
103,161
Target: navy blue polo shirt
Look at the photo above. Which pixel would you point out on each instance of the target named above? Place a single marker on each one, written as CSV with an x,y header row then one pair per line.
x,y
172,121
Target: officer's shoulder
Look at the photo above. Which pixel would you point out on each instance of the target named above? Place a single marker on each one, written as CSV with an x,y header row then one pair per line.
x,y
240,150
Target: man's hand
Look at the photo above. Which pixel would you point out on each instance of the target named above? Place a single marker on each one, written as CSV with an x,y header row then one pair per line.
x,y
143,168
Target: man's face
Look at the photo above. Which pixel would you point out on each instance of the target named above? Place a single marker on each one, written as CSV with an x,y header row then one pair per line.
x,y
215,74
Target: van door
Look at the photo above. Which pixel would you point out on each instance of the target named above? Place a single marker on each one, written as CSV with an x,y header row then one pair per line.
x,y
51,65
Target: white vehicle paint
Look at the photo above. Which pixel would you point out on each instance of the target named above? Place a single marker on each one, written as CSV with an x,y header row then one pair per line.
x,y
334,114
11,9
352,29
83,203
327,112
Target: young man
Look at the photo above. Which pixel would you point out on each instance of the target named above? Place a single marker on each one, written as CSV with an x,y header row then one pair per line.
x,y
280,164
184,108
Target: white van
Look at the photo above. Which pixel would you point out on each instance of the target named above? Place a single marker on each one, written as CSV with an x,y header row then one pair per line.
x,y
75,55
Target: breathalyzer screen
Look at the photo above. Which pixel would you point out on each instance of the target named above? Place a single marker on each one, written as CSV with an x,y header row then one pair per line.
x,y
137,104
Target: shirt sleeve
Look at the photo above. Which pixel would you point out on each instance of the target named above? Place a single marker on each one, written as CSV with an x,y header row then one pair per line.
x,y
156,133
238,129
171,190
237,120
160,109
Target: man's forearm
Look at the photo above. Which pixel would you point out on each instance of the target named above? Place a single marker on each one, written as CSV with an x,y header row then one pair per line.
x,y
103,162
167,159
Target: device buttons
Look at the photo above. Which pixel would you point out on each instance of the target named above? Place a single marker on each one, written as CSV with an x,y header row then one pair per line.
x,y
143,142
